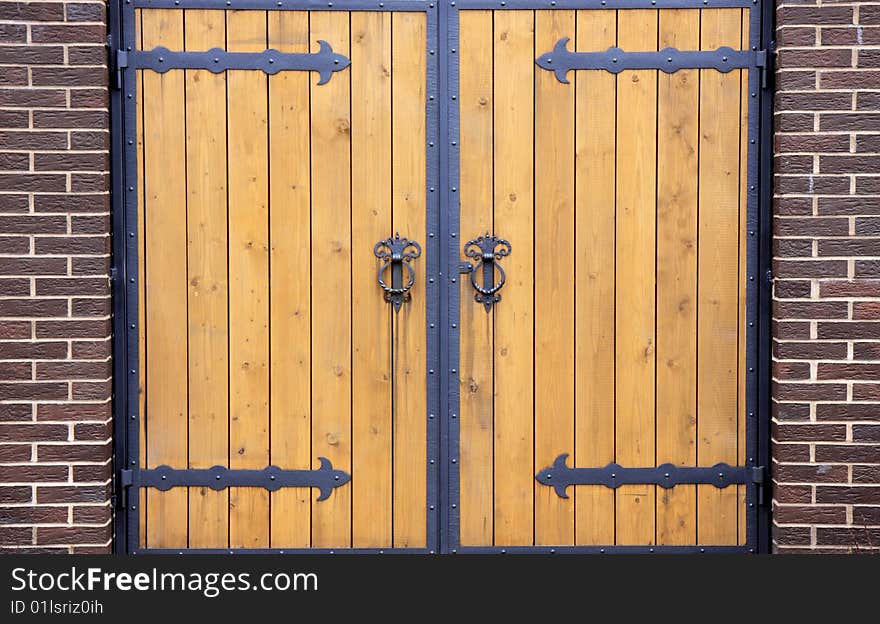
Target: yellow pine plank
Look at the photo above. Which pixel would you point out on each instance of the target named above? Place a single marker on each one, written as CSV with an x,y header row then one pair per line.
x,y
594,274
718,277
142,301
331,279
635,341
554,318
477,326
248,280
371,325
166,293
206,277
514,359
409,54
289,251
677,143
741,323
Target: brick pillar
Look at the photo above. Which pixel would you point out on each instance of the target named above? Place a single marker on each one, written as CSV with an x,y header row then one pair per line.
x,y
55,380
826,416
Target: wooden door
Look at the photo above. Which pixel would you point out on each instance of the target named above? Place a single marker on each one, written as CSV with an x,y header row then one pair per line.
x,y
263,336
620,338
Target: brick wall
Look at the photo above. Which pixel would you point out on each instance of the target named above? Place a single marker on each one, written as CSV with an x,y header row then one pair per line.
x,y
826,417
54,293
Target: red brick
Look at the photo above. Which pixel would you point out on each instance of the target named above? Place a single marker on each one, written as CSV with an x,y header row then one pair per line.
x,y
33,473
32,433
33,391
851,536
848,453
811,474
73,411
73,452
849,331
810,350
847,411
812,226
11,453
73,370
794,494
33,515
72,494
11,330
809,514
799,433
15,287
847,495
72,286
859,288
13,494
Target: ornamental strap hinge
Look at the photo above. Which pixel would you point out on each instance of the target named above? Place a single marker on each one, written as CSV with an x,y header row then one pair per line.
x,y
559,476
326,478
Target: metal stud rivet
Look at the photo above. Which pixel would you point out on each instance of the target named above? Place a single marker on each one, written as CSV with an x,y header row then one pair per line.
x,y
751,414
381,4
431,189
602,550
131,326
271,60
131,234
431,52
431,462
751,504
454,143
751,323
453,327
161,59
451,4
271,477
431,235
453,234
133,463
603,3
217,477
453,370
454,506
431,97
131,188
453,50
454,189
130,142
751,278
752,141
721,474
751,232
453,280
431,416
504,551
724,58
133,417
751,369
454,416
552,551
650,550
431,280
431,144
613,475
702,550
164,477
453,97
752,187
131,280
336,477
668,59
454,461
549,60
134,507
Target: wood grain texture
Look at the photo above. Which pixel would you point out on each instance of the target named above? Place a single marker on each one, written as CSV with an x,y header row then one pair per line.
x,y
477,326
554,273
248,280
677,144
595,171
331,279
372,412
635,260
514,317
409,54
165,277
207,280
289,285
718,288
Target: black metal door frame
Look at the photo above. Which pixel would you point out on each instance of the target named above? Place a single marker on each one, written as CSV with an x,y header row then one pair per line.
x,y
442,305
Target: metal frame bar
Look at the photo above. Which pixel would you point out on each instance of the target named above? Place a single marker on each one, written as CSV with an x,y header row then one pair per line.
x,y
442,263
285,5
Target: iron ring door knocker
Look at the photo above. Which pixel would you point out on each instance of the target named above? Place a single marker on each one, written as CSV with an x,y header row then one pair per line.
x,y
487,249
398,252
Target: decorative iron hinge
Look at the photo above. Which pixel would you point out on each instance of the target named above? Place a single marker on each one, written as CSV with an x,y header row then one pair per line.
x,y
269,61
759,474
326,478
124,481
559,476
560,60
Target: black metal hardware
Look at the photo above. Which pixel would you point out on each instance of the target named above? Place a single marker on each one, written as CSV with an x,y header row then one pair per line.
x,y
486,250
270,61
124,481
561,61
117,61
399,252
559,476
273,478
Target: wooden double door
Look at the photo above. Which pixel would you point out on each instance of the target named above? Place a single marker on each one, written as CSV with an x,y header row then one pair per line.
x,y
435,279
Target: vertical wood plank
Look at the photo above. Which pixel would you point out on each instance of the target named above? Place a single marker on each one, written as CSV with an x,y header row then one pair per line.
x,y
635,259
289,256
248,280
331,279
554,274
142,299
476,339
372,454
595,94
514,316
207,279
677,143
409,67
742,510
718,277
166,304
